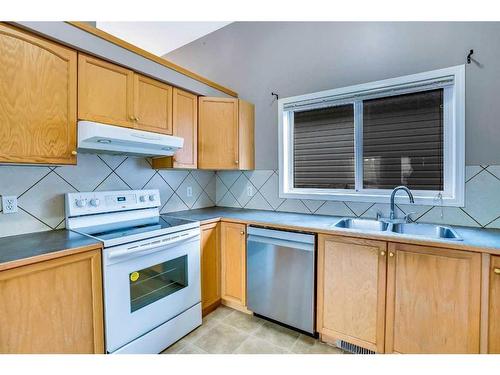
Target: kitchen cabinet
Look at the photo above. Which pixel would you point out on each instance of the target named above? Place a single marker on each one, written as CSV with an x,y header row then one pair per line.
x,y
233,264
210,267
111,94
433,300
351,291
105,92
53,306
153,105
184,125
38,99
494,307
225,134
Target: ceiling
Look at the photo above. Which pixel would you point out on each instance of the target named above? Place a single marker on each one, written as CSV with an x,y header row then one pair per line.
x,y
160,37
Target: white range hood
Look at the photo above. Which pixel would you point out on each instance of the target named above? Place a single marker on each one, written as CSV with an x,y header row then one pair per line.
x,y
100,138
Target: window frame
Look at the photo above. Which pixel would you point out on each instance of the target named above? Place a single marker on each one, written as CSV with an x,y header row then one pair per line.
x,y
453,193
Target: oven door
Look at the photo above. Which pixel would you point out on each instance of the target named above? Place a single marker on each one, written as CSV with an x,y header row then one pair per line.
x,y
148,283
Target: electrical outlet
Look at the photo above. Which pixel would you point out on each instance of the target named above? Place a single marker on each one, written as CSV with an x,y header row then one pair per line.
x,y
250,191
189,191
9,204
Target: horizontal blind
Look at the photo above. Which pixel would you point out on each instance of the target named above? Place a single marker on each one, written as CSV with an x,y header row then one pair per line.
x,y
323,143
403,141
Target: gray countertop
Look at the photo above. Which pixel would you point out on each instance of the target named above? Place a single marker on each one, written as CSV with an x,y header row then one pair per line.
x,y
44,245
476,238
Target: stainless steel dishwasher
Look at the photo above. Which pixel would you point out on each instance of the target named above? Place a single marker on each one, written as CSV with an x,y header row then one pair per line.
x,y
280,276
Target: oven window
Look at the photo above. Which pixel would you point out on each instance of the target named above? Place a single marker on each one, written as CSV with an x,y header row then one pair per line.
x,y
153,283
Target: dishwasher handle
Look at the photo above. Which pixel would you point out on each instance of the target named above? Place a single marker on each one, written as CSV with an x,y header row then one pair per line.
x,y
278,242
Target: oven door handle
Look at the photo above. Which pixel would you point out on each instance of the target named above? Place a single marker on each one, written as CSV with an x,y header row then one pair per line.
x,y
148,247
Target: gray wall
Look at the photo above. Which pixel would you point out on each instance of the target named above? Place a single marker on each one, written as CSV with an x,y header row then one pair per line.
x,y
292,58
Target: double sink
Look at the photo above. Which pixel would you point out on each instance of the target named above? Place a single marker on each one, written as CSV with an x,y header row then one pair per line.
x,y
410,229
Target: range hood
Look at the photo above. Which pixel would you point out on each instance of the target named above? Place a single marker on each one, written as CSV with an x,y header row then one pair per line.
x,y
100,138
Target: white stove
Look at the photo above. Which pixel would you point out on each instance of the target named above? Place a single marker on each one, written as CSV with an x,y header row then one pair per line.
x,y
151,267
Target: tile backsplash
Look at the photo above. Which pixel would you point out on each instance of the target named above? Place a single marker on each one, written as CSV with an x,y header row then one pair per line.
x,y
259,190
40,190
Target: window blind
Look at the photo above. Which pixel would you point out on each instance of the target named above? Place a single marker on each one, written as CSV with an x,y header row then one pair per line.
x,y
323,145
403,141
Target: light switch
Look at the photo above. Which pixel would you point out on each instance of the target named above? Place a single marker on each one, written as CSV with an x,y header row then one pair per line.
x,y
189,191
9,204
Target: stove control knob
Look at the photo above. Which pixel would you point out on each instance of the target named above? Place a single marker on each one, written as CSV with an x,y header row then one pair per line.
x,y
94,202
142,198
152,197
81,203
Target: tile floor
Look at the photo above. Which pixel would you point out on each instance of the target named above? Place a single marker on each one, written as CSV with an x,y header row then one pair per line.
x,y
226,331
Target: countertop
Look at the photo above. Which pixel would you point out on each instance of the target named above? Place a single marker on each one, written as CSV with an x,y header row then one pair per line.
x,y
30,248
474,239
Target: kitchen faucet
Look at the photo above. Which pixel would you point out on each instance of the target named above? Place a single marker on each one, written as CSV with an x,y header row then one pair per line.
x,y
393,195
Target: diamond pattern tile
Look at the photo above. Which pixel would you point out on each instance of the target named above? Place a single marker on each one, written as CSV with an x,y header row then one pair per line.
x,y
313,206
220,189
159,183
182,191
293,205
258,177
112,182
15,180
173,177
240,189
87,174
258,202
136,172
335,209
229,177
482,200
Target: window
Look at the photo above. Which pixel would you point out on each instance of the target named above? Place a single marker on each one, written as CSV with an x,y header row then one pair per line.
x,y
358,143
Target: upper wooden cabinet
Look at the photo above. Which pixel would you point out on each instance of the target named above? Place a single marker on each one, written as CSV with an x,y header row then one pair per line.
x,y
233,251
38,97
225,134
54,306
494,307
105,92
433,300
351,291
210,267
153,105
184,125
110,94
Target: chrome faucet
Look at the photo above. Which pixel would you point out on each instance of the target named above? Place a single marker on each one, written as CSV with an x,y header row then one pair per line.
x,y
393,195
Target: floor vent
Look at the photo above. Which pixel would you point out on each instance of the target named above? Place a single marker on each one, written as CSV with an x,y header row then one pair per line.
x,y
351,348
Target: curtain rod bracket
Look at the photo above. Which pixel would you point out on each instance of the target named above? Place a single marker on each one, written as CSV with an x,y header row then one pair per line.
x,y
276,95
469,56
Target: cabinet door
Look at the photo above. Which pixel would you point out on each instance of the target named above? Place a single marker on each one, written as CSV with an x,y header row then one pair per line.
x,y
38,94
351,291
53,306
185,125
105,92
433,300
494,310
233,248
153,105
210,267
218,133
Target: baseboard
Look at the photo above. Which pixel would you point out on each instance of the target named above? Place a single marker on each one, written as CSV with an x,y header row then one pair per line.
x,y
236,306
208,309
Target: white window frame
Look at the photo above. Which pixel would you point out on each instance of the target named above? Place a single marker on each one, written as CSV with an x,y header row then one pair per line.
x,y
453,193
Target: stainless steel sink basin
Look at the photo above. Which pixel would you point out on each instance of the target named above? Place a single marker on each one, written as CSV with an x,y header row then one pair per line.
x,y
361,224
426,230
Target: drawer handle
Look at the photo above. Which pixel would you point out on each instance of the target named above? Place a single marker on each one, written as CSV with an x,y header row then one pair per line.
x,y
382,253
496,270
391,254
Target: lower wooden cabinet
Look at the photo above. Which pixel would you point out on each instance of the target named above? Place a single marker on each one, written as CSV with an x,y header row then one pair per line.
x,y
233,251
494,307
210,267
433,300
54,306
351,291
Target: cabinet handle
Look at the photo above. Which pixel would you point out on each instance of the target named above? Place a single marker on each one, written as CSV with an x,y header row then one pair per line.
x,y
382,253
74,152
136,119
242,233
391,254
496,270
131,117
236,162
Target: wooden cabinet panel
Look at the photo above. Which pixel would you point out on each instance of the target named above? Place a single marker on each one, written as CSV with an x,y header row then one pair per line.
x,y
53,306
218,133
38,95
433,300
494,307
246,127
153,105
233,250
351,291
105,92
210,267
185,125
